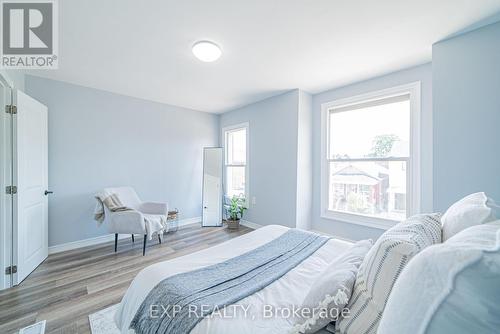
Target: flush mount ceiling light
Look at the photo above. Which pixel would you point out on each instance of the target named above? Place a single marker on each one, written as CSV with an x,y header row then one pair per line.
x,y
206,51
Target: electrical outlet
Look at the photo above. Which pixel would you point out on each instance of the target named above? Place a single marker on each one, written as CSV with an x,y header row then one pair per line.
x,y
254,200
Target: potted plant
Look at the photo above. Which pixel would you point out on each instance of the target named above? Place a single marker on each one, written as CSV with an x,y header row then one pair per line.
x,y
235,210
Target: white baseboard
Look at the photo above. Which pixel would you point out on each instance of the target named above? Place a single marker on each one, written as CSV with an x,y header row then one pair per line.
x,y
189,221
85,242
250,224
107,238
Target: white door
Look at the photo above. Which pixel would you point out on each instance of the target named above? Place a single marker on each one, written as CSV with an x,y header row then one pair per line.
x,y
30,177
5,181
212,187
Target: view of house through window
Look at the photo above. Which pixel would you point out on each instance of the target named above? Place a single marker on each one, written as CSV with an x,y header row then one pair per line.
x,y
368,158
236,161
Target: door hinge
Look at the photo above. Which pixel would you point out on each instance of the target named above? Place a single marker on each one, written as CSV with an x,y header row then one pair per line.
x,y
11,190
10,270
11,109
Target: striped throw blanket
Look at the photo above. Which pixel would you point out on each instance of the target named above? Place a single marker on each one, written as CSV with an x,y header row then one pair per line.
x,y
222,284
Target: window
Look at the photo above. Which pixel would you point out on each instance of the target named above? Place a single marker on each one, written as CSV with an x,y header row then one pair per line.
x,y
370,166
235,161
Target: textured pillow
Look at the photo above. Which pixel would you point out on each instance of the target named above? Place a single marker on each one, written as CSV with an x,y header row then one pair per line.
x,y
330,293
382,266
474,209
449,288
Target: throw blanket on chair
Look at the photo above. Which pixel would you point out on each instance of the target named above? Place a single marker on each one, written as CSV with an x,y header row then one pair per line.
x,y
111,201
222,284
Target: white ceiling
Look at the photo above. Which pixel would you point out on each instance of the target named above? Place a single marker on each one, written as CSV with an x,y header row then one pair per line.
x,y
143,48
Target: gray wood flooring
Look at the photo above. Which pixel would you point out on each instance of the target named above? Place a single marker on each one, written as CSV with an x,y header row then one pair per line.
x,y
69,286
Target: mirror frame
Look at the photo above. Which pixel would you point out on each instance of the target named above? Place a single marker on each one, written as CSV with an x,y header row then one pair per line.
x,y
222,185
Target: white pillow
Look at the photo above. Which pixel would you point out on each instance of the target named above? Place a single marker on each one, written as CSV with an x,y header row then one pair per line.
x,y
330,293
453,287
381,268
475,209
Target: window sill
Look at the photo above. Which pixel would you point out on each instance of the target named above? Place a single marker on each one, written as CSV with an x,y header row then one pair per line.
x,y
351,218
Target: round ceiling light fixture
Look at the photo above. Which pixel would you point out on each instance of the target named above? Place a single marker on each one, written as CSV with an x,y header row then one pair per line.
x,y
206,51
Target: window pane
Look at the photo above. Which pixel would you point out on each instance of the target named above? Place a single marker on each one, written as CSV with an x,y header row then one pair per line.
x,y
235,184
369,188
371,131
236,144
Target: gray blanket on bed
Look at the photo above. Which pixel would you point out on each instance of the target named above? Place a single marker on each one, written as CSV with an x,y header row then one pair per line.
x,y
179,302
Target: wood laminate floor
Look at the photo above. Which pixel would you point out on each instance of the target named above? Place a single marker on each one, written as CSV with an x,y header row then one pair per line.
x,y
69,286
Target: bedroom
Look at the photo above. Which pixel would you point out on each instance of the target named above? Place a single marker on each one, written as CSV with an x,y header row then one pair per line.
x,y
292,142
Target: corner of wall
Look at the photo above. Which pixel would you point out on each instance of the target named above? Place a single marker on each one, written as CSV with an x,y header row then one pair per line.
x,y
304,195
219,131
14,77
492,19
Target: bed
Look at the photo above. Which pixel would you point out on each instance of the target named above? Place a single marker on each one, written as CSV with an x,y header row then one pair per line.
x,y
288,290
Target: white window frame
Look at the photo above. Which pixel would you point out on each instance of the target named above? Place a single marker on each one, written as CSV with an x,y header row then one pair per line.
x,y
229,128
413,195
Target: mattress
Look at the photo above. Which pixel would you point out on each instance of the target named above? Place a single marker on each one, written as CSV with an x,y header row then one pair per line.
x,y
265,311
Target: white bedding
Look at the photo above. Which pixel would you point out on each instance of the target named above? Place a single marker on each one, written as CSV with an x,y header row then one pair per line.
x,y
289,290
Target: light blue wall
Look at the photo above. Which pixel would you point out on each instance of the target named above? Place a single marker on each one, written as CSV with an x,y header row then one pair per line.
x,y
99,139
273,157
466,79
421,73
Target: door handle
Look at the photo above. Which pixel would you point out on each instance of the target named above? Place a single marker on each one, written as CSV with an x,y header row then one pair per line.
x,y
48,192
204,207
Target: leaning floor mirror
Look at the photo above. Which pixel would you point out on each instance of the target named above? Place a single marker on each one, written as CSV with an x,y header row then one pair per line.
x,y
212,186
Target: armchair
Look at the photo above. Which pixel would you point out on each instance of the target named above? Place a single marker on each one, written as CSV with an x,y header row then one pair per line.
x,y
145,218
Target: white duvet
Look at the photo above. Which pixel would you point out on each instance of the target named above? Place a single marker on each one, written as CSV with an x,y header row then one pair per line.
x,y
251,314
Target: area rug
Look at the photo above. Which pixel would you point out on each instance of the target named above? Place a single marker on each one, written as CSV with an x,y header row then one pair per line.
x,y
102,322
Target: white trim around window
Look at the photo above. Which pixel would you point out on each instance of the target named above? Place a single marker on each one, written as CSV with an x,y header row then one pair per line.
x,y
229,128
414,166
